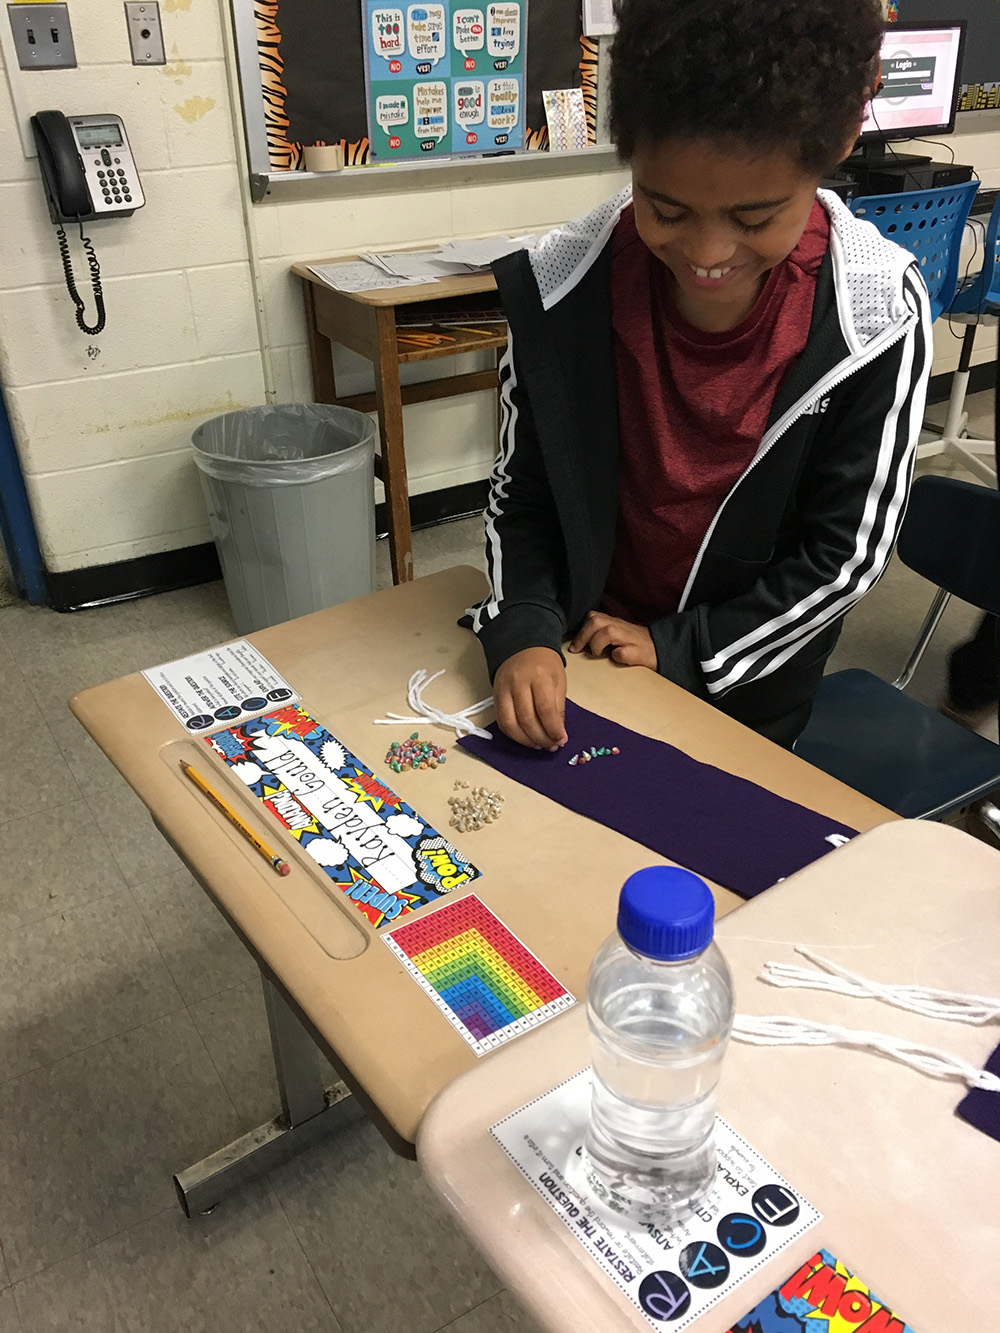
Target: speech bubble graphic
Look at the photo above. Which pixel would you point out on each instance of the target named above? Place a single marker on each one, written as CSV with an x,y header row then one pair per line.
x,y
392,110
468,32
430,110
388,38
470,102
504,99
503,30
427,32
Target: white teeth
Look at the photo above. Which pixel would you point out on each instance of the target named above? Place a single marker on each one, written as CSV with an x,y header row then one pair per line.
x,y
711,272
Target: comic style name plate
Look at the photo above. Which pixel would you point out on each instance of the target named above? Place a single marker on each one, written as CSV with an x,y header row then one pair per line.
x,y
489,986
823,1296
217,688
374,847
672,1275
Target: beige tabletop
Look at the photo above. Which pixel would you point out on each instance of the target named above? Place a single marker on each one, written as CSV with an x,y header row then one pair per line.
x,y
551,876
910,1194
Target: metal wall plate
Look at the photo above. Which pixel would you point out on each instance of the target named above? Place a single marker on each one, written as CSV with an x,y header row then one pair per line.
x,y
43,38
144,32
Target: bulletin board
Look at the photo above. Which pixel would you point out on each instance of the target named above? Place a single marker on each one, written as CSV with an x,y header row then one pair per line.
x,y
308,58
981,63
445,77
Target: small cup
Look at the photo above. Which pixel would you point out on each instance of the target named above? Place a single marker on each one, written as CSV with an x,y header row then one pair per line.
x,y
324,157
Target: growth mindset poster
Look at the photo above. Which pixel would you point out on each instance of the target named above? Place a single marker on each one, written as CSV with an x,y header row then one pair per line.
x,y
445,78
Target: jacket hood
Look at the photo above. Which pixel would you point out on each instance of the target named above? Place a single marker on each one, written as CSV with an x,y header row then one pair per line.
x,y
867,268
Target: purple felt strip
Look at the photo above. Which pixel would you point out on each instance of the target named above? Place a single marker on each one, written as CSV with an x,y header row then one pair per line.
x,y
718,825
980,1108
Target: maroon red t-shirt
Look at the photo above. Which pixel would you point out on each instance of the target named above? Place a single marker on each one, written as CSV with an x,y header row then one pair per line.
x,y
692,409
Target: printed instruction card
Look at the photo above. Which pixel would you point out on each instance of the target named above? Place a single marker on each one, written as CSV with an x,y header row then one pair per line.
x,y
220,687
672,1275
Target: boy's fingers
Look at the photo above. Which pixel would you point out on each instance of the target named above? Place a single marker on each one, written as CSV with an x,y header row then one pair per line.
x,y
507,718
601,640
550,709
527,720
627,655
590,626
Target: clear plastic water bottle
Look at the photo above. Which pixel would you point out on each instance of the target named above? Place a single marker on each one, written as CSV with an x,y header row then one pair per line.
x,y
660,1009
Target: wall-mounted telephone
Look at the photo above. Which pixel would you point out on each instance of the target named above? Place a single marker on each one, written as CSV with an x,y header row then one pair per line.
x,y
88,172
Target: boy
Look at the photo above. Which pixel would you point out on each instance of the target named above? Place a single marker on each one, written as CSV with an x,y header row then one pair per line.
x,y
714,382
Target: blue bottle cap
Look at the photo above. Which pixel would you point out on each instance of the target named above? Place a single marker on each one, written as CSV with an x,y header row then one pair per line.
x,y
666,913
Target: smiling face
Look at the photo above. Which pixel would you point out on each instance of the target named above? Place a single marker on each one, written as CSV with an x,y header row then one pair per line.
x,y
720,219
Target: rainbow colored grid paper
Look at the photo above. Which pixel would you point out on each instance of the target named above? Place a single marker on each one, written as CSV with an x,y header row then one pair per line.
x,y
487,984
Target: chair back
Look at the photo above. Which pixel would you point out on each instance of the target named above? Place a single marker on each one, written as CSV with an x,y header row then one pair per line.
x,y
951,536
983,291
931,223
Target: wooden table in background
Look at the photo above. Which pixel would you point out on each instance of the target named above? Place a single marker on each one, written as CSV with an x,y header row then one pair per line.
x,y
552,876
366,323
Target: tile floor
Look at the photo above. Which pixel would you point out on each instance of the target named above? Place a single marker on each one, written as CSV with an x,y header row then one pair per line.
x,y
133,1038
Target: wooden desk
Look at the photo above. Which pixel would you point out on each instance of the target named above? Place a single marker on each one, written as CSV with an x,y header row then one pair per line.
x,y
366,323
552,876
908,1191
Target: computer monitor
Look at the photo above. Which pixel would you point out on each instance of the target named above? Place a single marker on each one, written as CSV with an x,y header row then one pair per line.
x,y
921,73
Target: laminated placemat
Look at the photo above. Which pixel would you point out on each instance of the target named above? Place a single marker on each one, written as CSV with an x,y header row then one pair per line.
x,y
724,827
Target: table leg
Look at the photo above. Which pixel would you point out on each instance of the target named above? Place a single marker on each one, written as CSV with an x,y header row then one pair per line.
x,y
309,1113
320,351
389,400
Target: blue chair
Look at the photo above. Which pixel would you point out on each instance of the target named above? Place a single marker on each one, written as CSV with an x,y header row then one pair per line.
x,y
877,739
976,302
931,223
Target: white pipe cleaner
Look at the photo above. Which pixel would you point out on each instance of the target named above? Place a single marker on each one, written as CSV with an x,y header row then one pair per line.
x,y
953,1006
459,722
776,1030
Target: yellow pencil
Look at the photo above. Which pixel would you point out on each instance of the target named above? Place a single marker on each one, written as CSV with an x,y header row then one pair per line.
x,y
282,867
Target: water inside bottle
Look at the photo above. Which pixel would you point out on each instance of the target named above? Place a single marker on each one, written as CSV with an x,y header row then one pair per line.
x,y
650,1147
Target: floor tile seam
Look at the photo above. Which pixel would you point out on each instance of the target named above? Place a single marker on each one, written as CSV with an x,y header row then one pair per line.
x,y
5,820
237,1117
110,850
85,1249
61,911
339,1327
223,990
94,1045
465,1313
187,1004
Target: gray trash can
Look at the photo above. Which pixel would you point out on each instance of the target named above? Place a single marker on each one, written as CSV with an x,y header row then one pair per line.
x,y
289,496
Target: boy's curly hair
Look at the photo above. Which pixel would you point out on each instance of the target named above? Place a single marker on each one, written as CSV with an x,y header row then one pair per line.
x,y
792,74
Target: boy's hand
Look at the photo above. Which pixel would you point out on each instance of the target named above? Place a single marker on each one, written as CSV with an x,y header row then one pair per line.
x,y
529,690
630,645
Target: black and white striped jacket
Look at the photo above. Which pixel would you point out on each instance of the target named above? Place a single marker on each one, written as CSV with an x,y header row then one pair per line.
x,y
804,533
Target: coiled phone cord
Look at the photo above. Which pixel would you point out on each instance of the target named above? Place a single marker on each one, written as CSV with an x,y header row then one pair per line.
x,y
95,279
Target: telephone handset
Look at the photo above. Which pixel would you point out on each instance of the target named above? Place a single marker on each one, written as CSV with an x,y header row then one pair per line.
x,y
88,173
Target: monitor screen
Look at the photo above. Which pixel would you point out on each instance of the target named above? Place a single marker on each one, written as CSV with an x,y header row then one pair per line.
x,y
921,71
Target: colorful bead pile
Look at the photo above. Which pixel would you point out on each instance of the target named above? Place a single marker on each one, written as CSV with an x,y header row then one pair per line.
x,y
585,756
470,812
414,753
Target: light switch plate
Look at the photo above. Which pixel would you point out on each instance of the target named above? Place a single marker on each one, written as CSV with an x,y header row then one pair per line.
x,y
144,32
43,38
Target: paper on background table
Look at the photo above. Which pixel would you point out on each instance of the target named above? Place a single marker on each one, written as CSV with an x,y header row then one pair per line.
x,y
221,687
472,256
357,275
670,1275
